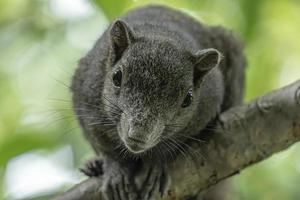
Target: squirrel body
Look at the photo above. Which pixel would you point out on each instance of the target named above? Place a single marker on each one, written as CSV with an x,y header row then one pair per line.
x,y
154,77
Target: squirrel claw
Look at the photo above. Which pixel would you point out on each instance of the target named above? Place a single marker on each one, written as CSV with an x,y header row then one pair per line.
x,y
157,180
117,186
93,168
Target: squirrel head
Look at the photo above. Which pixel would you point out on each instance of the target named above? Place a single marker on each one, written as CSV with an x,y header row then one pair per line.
x,y
155,82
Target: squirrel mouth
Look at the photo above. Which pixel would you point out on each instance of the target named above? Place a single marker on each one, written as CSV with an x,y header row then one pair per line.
x,y
138,146
136,140
135,145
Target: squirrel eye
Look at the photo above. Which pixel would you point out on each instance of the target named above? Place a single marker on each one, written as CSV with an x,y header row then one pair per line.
x,y
117,78
188,100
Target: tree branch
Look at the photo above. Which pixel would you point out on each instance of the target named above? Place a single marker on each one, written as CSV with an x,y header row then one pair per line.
x,y
244,135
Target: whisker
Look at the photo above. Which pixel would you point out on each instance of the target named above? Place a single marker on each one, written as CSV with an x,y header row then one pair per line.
x,y
111,102
101,123
108,130
62,109
71,129
192,150
168,148
193,138
174,125
192,156
58,99
115,110
179,148
161,152
122,152
218,130
58,120
62,83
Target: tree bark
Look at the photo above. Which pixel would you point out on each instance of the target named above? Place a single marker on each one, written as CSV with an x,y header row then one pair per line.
x,y
243,135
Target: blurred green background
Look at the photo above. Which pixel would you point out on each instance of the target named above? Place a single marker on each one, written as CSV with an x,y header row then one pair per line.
x,y
41,146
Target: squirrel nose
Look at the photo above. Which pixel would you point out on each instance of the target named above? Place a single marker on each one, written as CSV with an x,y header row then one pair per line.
x,y
138,134
136,140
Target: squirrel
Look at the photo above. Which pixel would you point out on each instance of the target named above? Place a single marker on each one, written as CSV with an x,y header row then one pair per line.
x,y
155,76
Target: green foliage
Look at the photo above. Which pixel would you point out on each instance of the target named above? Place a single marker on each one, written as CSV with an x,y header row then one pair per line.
x,y
39,47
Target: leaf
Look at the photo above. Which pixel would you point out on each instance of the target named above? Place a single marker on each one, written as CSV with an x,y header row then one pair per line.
x,y
20,143
113,8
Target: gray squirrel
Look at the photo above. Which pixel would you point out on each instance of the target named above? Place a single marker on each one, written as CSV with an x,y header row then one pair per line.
x,y
154,77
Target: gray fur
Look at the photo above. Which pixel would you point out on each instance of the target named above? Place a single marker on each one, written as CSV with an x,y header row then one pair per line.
x,y
162,54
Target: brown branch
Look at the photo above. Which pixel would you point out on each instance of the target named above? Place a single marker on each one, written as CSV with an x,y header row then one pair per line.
x,y
245,135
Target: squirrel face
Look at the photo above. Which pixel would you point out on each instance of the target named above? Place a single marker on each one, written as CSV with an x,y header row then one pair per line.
x,y
156,85
151,89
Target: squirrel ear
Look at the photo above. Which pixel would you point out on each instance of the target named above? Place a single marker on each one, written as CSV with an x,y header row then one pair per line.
x,y
206,60
121,37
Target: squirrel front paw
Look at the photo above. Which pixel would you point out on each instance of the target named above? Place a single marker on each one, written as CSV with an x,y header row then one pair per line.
x,y
93,168
157,181
118,183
